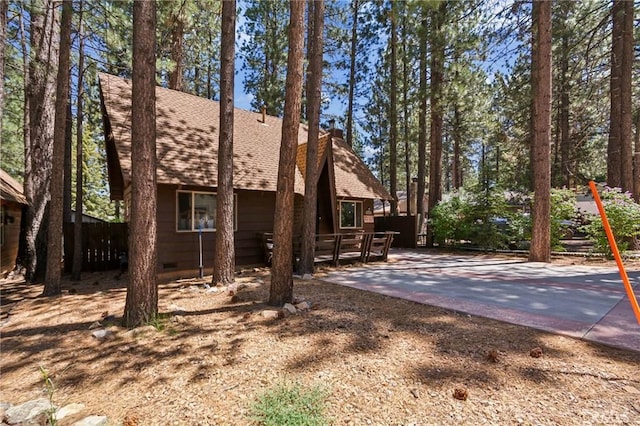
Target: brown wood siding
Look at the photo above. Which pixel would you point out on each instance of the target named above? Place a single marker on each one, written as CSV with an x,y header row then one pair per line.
x,y
11,235
298,214
179,250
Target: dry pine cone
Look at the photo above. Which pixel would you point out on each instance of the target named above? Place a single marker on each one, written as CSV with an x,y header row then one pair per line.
x,y
536,352
493,356
461,394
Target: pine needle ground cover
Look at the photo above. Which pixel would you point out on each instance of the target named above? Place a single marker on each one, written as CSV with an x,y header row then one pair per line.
x,y
378,360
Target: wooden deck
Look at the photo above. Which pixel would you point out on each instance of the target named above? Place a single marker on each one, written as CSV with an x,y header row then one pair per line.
x,y
359,246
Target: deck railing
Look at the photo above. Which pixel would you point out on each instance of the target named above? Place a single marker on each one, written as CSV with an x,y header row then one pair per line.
x,y
359,246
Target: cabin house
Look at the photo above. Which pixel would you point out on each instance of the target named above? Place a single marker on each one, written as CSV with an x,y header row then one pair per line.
x,y
12,200
187,145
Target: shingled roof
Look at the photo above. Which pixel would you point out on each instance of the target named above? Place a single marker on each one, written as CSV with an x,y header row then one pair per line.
x,y
10,189
187,144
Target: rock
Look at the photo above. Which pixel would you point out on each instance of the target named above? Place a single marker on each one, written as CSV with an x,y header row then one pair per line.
x,y
213,290
288,307
177,310
95,325
271,314
69,410
4,406
303,306
29,412
101,334
92,421
415,393
232,289
307,277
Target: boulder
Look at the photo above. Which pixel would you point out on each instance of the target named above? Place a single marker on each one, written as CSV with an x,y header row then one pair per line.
x,y
27,413
271,314
288,307
303,306
69,410
92,421
101,334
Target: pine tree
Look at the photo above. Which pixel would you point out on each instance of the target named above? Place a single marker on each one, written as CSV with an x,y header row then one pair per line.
x,y
142,292
265,54
314,83
541,124
54,253
282,268
39,114
224,265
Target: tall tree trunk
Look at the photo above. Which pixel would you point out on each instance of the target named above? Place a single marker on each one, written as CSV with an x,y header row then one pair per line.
x,y
39,116
566,148
225,260
457,152
435,157
352,70
393,116
422,123
54,254
541,141
636,159
405,110
282,267
614,154
68,148
177,34
3,36
76,269
142,292
314,86
626,105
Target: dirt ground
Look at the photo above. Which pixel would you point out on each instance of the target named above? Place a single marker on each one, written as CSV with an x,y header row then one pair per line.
x,y
381,360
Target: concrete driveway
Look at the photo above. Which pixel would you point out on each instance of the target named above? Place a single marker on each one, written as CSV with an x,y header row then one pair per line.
x,y
587,302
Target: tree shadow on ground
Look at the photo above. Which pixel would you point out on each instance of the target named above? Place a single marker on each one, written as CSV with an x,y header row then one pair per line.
x,y
343,326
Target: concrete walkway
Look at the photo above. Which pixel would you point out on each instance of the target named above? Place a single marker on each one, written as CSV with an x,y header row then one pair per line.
x,y
586,302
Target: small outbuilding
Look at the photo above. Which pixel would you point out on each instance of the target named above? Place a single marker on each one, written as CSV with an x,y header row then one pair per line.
x,y
186,150
12,200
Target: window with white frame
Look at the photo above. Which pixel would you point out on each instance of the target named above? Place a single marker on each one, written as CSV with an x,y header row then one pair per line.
x,y
350,214
197,210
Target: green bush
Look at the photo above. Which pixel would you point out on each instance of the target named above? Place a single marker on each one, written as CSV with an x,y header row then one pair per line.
x,y
483,218
450,219
563,212
623,214
290,405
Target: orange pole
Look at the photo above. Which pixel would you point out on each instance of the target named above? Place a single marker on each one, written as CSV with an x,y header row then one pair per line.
x,y
616,252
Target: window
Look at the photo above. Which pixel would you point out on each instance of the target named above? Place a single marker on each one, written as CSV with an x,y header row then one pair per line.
x,y
350,214
197,210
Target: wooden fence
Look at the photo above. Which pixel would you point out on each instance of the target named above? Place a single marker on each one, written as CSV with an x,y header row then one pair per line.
x,y
406,228
102,244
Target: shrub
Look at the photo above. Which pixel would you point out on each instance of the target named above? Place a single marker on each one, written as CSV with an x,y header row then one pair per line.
x,y
450,219
290,405
563,214
623,214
